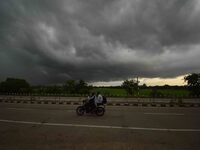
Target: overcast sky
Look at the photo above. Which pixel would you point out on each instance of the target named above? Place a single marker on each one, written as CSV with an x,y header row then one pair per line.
x,y
50,41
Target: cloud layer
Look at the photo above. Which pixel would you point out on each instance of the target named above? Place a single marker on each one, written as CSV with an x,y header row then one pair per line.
x,y
98,40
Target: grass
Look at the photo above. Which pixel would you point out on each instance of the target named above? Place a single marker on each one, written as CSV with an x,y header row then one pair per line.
x,y
119,92
111,91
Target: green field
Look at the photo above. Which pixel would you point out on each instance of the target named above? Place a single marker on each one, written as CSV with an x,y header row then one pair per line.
x,y
119,92
111,91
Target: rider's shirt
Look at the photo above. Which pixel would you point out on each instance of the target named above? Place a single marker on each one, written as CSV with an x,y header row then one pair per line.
x,y
98,99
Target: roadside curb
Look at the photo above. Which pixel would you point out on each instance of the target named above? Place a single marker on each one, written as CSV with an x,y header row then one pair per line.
x,y
133,104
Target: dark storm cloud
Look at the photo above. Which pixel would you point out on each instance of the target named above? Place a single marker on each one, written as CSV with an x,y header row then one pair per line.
x,y
47,41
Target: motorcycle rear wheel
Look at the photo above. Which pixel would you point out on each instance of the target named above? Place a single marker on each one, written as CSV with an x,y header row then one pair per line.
x,y
80,110
100,111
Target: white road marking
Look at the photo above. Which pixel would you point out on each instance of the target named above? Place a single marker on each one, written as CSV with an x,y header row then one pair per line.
x,y
167,114
99,126
15,108
12,108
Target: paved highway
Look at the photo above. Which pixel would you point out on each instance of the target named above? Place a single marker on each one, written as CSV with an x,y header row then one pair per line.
x,y
50,127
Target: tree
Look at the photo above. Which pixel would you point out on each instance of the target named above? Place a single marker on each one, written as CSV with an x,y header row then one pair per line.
x,y
12,85
130,86
70,86
193,83
144,86
77,87
82,87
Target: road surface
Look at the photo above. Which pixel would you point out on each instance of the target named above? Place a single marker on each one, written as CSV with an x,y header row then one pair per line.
x,y
50,127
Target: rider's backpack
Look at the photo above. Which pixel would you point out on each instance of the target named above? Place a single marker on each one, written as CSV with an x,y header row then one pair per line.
x,y
104,100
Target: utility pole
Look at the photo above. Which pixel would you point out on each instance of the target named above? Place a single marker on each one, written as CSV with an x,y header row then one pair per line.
x,y
138,88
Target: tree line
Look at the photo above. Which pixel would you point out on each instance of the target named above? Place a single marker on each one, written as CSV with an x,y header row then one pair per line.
x,y
193,85
14,85
70,87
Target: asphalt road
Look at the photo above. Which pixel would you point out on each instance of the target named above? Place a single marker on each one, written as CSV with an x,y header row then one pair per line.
x,y
57,127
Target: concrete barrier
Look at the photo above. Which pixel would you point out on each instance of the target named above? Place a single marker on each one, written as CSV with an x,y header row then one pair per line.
x,y
146,102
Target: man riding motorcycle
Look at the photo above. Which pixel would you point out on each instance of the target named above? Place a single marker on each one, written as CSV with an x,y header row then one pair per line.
x,y
90,104
93,104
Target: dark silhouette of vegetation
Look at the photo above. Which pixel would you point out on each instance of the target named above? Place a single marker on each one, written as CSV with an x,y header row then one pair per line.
x,y
21,86
70,87
144,86
12,85
131,86
193,82
81,88
76,87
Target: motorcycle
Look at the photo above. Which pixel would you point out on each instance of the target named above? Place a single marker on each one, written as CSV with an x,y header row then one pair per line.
x,y
99,110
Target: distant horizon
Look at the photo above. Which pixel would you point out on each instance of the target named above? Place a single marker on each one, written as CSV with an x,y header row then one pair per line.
x,y
177,81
